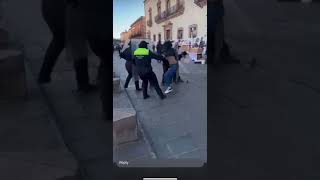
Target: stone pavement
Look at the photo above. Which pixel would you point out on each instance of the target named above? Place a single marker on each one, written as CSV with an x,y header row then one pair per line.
x,y
31,147
268,116
175,127
133,151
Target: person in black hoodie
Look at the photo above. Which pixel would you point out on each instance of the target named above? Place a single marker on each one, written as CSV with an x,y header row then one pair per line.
x,y
171,56
130,67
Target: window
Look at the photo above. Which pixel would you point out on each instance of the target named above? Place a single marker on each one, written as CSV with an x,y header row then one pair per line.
x,y
168,5
193,31
180,33
154,38
159,37
150,14
168,34
159,7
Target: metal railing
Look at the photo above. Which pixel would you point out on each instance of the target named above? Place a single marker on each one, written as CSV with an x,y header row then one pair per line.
x,y
173,11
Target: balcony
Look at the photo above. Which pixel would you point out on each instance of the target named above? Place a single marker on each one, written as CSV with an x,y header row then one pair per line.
x,y
149,22
200,3
174,11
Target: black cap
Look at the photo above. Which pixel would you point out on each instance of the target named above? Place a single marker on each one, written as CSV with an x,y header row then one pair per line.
x,y
143,44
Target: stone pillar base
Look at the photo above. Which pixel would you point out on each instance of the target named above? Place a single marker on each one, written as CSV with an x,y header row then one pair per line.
x,y
125,128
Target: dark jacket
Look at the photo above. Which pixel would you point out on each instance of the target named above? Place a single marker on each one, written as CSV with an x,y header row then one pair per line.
x,y
127,54
159,48
169,53
143,62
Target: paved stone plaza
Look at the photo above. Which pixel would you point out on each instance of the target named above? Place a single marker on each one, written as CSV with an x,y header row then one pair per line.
x,y
279,98
176,127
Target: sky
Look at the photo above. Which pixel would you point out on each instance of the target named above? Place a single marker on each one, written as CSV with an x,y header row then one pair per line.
x,y
125,12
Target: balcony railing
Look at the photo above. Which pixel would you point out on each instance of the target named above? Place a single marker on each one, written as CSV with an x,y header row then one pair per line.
x,y
174,11
201,3
149,22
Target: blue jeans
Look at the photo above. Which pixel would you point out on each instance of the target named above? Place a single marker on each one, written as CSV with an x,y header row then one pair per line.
x,y
168,76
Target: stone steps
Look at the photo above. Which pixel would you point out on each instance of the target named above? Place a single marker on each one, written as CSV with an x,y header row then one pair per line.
x,y
125,128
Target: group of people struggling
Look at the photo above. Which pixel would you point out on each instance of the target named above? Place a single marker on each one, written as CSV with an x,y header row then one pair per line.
x,y
138,64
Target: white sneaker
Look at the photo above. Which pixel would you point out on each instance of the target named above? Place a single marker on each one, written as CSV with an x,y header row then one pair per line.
x,y
168,90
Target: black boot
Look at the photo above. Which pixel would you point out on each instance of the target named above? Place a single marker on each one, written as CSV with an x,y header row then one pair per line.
x,y
82,76
136,83
126,84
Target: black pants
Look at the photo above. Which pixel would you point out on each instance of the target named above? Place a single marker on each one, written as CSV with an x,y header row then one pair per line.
x,y
56,24
57,27
97,36
152,78
129,70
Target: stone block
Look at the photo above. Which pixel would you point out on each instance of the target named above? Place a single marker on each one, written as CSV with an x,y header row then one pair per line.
x,y
12,74
116,85
125,127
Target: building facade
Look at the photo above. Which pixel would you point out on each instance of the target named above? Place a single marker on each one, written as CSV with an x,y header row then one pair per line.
x,y
176,19
138,28
124,36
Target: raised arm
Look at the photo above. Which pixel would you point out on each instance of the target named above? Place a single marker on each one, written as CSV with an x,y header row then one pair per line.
x,y
156,56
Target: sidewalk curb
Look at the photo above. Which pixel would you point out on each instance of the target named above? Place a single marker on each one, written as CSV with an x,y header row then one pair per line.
x,y
141,128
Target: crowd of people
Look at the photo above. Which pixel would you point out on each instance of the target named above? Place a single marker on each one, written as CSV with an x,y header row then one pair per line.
x,y
138,65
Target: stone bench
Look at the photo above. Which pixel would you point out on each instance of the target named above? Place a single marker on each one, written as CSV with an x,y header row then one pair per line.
x,y
12,74
125,127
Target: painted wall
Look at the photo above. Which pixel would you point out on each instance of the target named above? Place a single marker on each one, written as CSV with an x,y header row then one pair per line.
x,y
193,14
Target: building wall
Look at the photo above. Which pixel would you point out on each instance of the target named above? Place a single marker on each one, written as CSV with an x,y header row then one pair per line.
x,y
193,14
124,36
138,27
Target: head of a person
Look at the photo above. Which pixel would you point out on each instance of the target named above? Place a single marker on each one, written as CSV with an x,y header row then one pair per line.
x,y
167,45
143,44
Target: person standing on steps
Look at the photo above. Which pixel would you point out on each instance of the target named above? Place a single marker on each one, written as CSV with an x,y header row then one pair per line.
x,y
142,59
60,27
130,67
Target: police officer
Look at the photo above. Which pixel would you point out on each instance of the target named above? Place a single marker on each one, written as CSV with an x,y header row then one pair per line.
x,y
142,59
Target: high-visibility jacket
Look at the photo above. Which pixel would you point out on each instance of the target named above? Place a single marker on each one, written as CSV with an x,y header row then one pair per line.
x,y
142,60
